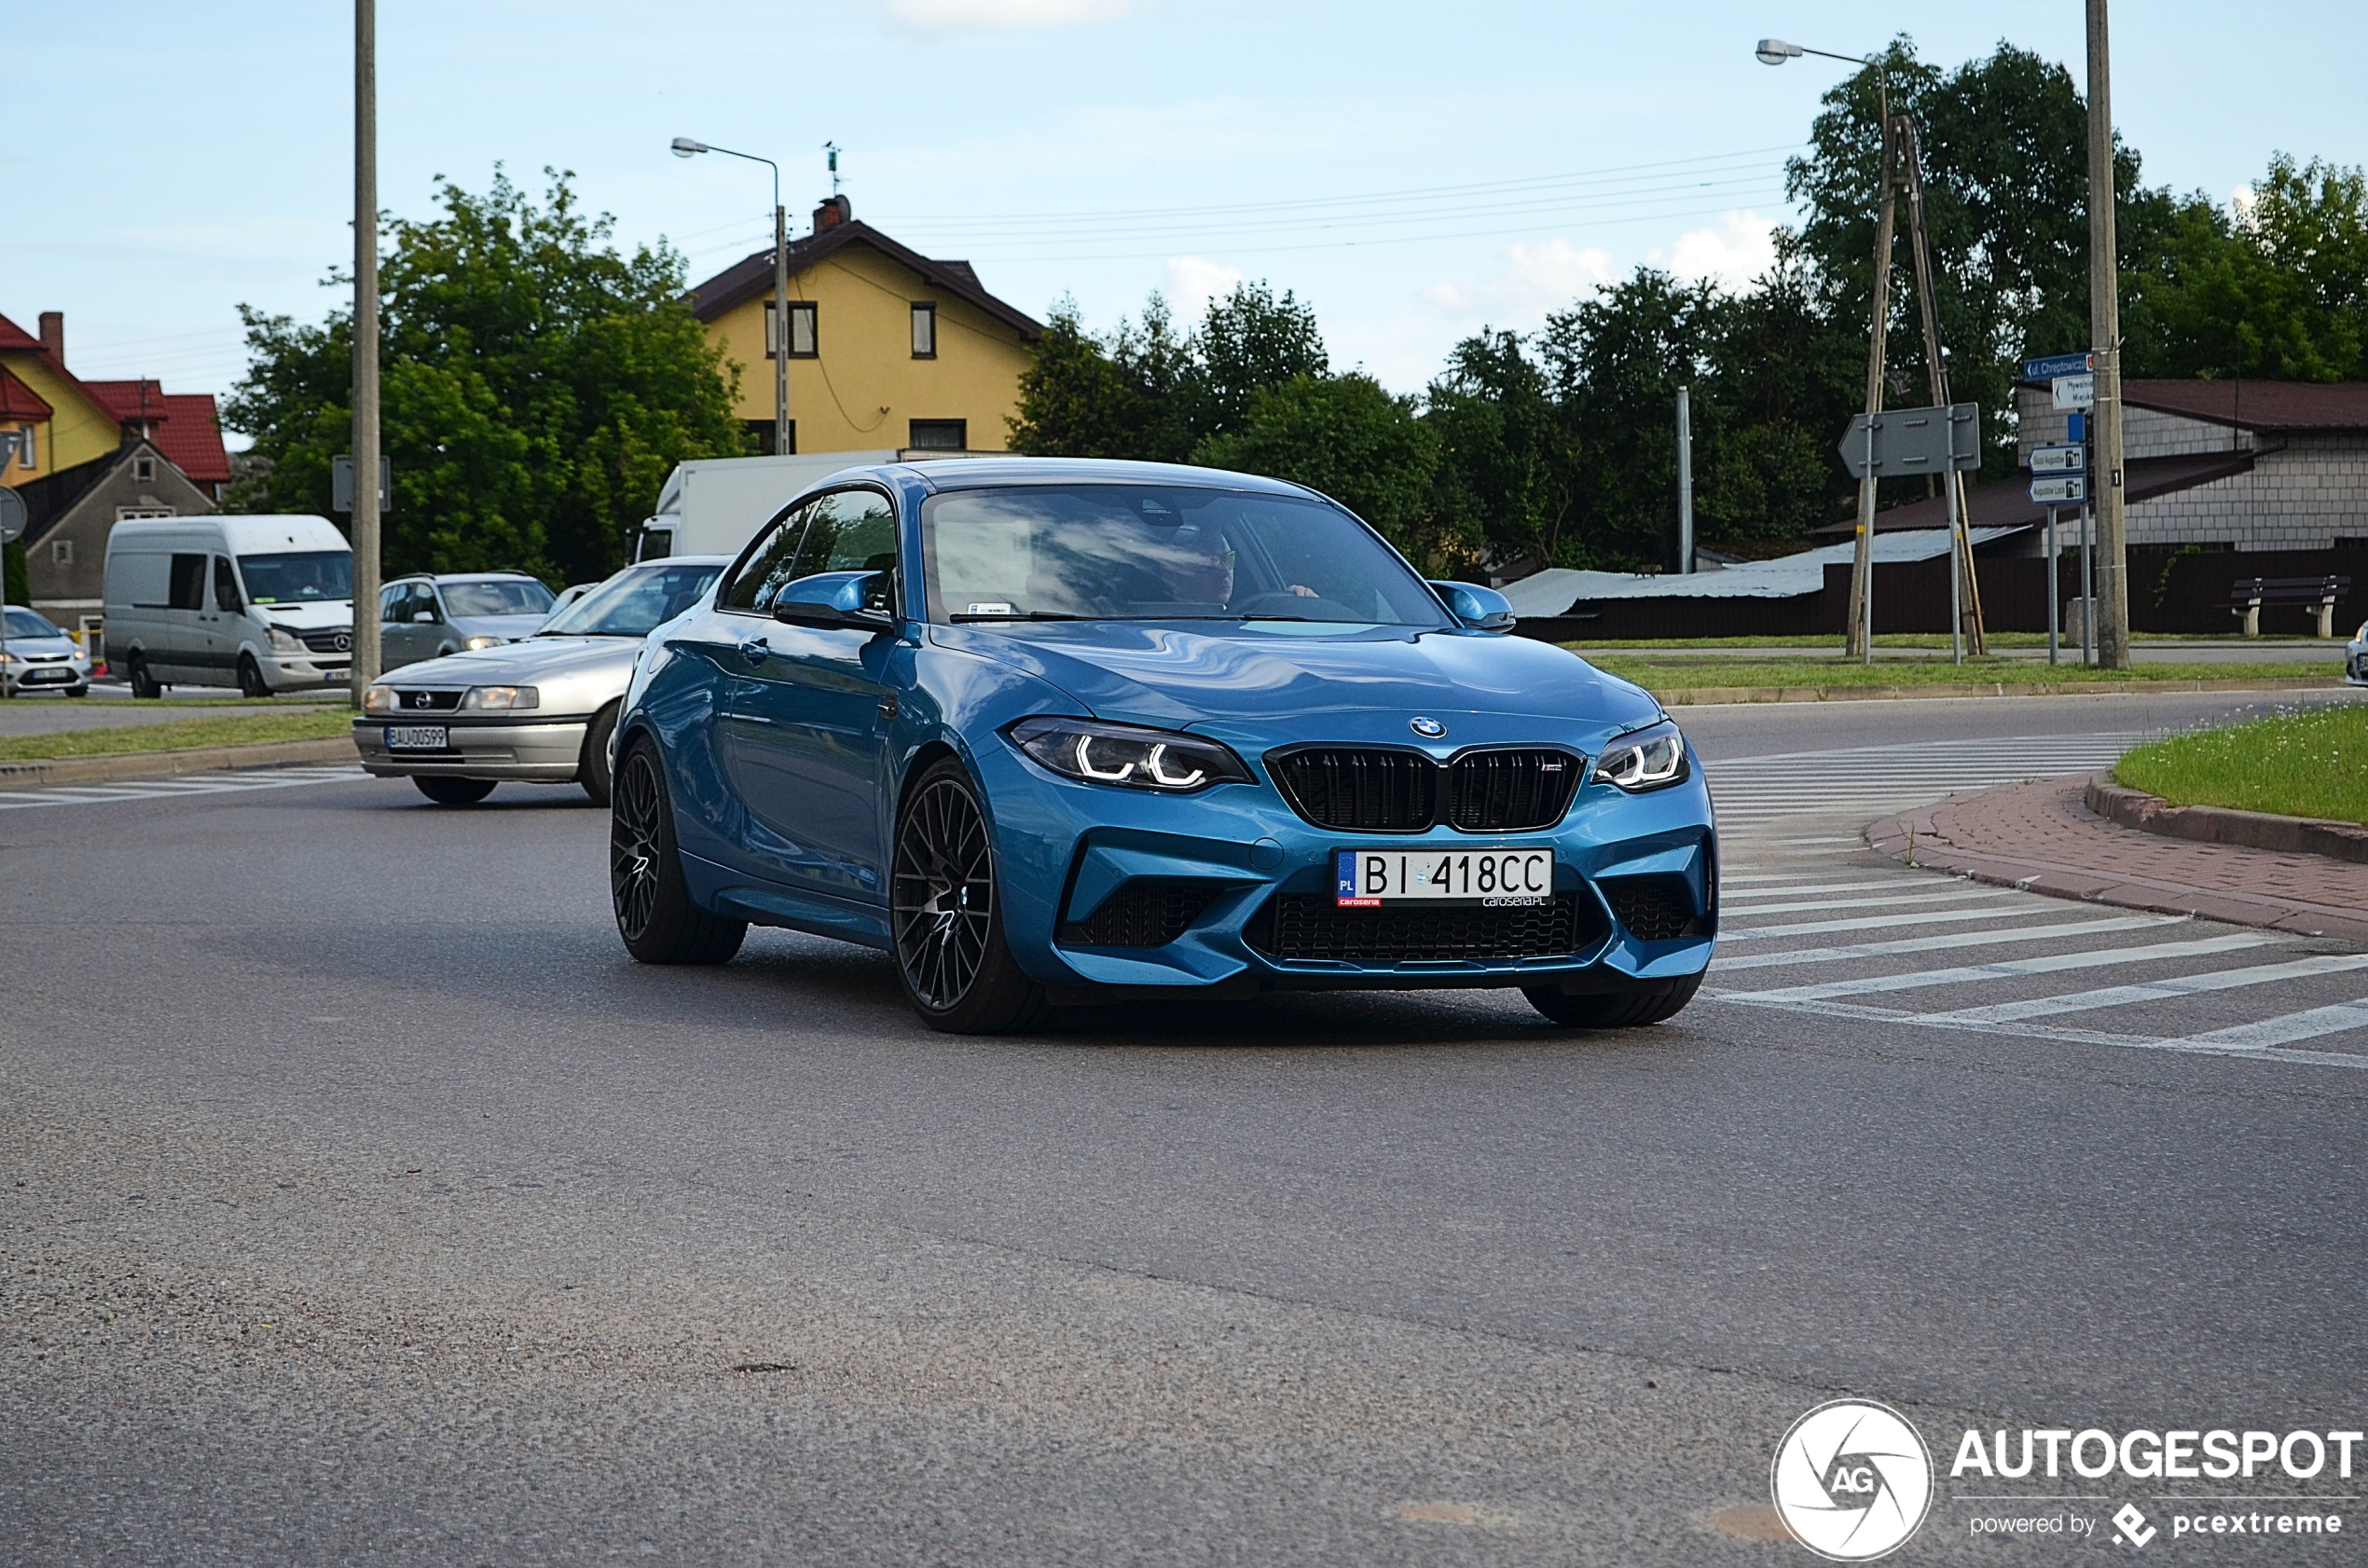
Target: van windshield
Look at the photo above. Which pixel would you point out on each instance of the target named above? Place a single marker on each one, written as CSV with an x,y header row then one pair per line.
x,y
299,576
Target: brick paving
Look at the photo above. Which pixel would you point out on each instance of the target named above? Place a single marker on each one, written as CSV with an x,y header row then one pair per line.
x,y
2041,837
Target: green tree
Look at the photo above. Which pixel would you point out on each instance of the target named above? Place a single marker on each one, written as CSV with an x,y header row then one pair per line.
x,y
1087,398
1248,341
1345,436
1502,481
537,388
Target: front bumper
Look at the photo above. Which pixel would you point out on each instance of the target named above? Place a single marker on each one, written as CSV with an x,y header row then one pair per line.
x,y
70,675
288,672
1262,876
537,752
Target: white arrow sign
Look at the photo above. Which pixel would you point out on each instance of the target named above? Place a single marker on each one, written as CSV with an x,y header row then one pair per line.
x,y
2068,490
2074,392
2058,460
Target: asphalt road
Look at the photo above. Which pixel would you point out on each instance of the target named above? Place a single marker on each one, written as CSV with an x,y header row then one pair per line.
x,y
364,1203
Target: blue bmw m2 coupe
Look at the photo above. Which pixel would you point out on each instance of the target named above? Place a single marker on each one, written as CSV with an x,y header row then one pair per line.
x,y
1058,731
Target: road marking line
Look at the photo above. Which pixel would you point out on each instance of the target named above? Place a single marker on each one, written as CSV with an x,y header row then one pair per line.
x,y
2148,991
1948,940
1796,889
2009,968
1881,903
2308,1025
1875,922
172,789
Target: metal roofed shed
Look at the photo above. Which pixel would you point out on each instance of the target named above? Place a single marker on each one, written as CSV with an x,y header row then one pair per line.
x,y
1557,591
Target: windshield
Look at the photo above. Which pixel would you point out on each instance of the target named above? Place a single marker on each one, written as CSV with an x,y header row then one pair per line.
x,y
1135,553
514,596
299,576
26,622
635,600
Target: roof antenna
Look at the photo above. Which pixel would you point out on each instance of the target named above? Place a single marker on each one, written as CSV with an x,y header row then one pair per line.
x,y
832,148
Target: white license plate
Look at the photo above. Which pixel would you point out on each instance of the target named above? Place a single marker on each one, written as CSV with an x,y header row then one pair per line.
x,y
419,737
1370,878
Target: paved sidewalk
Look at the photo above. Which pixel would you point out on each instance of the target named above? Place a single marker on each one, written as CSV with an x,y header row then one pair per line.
x,y
2040,836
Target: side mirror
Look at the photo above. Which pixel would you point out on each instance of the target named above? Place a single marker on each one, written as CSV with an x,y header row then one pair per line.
x,y
833,598
423,617
1481,608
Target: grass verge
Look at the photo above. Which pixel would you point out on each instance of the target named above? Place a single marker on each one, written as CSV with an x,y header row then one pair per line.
x,y
1693,674
2297,764
180,735
1940,640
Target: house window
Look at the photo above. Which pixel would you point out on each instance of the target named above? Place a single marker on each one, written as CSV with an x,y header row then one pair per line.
x,y
924,330
941,436
761,434
62,552
25,447
143,469
804,330
125,514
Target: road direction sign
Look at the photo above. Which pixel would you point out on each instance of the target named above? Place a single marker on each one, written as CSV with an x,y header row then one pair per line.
x,y
2069,489
11,516
2074,392
2058,460
1913,441
2055,366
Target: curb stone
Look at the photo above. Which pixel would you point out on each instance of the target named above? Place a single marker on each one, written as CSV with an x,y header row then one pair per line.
x,y
165,764
2215,824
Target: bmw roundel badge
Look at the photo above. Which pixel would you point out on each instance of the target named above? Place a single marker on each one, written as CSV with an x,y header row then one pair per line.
x,y
1430,729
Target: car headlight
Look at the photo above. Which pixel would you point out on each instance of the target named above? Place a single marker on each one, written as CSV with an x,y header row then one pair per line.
x,y
1647,759
286,640
1128,755
499,699
476,642
378,699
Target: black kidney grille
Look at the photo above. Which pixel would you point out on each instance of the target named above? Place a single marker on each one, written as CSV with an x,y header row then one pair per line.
x,y
1310,926
1507,791
1146,911
1654,908
1361,790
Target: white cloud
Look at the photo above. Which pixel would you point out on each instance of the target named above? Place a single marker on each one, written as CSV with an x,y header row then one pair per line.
x,y
1535,279
1740,248
935,17
1193,283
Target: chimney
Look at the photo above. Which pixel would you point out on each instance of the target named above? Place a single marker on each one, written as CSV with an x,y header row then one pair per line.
x,y
54,333
833,213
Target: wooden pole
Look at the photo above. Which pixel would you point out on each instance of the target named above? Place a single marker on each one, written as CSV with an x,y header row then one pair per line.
x,y
365,537
2104,333
1862,574
1960,543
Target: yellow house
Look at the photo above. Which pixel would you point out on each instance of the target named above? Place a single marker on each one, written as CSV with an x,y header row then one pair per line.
x,y
888,349
68,422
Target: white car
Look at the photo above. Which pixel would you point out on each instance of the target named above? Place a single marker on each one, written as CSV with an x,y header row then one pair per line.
x,y
41,658
536,711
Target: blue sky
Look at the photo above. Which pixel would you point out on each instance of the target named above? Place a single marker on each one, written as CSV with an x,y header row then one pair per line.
x,y
173,161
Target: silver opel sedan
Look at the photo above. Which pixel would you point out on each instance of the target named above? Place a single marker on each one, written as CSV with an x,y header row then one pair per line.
x,y
536,711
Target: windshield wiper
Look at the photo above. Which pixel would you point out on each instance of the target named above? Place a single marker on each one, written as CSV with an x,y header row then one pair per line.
x,y
591,634
1024,615
1308,618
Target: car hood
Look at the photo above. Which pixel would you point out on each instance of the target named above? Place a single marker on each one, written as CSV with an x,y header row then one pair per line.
x,y
574,674
1261,671
42,647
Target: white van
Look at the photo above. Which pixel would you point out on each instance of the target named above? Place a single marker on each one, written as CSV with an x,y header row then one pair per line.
x,y
262,603
712,506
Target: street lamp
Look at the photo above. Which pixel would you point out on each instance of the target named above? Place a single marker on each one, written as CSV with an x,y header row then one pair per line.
x,y
685,146
1775,51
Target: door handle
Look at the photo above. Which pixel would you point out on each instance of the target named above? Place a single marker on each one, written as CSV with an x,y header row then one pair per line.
x,y
755,652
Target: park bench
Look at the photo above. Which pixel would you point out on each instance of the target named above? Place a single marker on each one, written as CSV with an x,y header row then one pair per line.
x,y
2246,595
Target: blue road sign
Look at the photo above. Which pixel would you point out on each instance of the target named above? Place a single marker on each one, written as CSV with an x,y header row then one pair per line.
x,y
2057,364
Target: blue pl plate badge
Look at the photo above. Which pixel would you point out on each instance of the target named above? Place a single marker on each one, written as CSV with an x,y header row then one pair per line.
x,y
1345,891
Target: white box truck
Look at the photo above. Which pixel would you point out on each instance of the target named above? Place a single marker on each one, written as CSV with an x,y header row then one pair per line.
x,y
262,603
712,506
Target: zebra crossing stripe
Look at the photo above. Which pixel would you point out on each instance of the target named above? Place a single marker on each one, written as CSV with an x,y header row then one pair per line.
x,y
2009,968
2308,1025
1797,889
162,789
2148,991
2060,928
1887,900
1876,922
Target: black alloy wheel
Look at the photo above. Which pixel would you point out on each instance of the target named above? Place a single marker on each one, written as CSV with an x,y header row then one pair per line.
x,y
1615,1009
947,917
446,790
592,767
250,683
144,684
654,914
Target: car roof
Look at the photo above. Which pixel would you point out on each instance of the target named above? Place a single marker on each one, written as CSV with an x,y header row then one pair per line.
x,y
962,474
505,575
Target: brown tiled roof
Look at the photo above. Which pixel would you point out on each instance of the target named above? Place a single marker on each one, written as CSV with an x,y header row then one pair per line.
x,y
2007,503
748,278
21,402
2271,407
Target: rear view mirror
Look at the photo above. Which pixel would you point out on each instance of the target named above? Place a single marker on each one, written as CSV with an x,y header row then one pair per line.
x,y
1481,608
832,599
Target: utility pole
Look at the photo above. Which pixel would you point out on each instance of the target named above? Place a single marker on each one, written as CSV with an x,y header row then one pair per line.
x,y
366,347
1967,591
1862,575
780,322
1685,484
2104,331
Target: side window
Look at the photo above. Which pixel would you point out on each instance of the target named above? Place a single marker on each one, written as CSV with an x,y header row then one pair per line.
x,y
226,586
390,602
188,583
423,598
854,530
773,563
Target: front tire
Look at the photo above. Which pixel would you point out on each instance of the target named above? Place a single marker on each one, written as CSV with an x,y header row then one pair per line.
x,y
251,681
592,768
144,684
1615,1010
654,914
946,911
446,790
